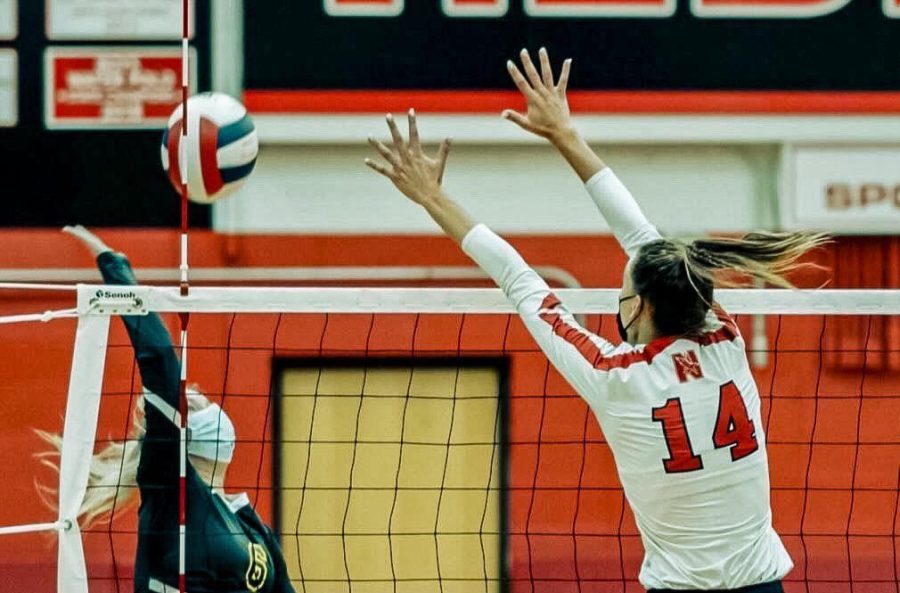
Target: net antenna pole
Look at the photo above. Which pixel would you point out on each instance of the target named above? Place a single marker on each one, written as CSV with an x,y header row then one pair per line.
x,y
185,290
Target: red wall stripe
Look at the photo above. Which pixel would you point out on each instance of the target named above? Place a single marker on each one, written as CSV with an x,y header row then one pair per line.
x,y
493,102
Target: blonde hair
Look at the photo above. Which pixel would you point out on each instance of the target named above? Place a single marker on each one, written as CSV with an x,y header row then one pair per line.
x,y
678,277
112,482
769,257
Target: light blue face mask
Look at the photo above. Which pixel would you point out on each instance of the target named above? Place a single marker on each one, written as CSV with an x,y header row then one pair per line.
x,y
211,433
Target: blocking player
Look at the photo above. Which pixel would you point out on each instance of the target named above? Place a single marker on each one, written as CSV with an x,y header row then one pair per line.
x,y
676,399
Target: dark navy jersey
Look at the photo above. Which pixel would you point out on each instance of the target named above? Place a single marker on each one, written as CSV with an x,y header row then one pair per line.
x,y
229,549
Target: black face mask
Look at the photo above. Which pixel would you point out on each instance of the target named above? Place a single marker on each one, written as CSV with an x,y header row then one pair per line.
x,y
623,329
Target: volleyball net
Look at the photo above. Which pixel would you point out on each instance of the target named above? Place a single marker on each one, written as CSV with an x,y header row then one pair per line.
x,y
416,440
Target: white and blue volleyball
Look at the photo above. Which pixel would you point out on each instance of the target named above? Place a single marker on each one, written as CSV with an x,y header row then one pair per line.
x,y
220,149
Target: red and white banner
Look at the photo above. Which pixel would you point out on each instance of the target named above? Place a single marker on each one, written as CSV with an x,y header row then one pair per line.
x,y
9,88
593,8
9,19
363,7
473,8
117,20
842,189
133,87
892,8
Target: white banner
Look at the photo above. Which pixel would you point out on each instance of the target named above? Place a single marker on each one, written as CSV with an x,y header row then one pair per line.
x,y
116,19
9,88
9,19
843,189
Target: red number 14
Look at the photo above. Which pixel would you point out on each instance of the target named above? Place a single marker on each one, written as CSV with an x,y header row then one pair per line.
x,y
734,429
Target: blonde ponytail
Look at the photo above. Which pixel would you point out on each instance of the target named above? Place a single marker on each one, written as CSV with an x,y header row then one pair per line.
x,y
112,482
678,278
762,255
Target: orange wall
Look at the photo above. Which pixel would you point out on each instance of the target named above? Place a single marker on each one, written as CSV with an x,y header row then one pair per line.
x,y
834,457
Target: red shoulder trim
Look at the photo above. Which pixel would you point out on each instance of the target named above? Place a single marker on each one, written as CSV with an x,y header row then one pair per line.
x,y
728,332
589,350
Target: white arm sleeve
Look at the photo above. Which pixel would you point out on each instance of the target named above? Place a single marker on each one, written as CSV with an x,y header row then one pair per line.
x,y
621,211
576,353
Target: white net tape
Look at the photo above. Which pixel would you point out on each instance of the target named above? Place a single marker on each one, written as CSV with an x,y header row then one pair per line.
x,y
99,299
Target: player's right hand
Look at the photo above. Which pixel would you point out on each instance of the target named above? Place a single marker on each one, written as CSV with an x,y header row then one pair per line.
x,y
548,108
93,243
416,174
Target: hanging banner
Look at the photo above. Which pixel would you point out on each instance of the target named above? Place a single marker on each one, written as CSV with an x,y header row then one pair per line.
x,y
9,19
92,87
116,19
691,57
842,189
9,87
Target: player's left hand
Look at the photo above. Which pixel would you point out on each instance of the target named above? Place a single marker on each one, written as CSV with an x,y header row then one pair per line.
x,y
417,175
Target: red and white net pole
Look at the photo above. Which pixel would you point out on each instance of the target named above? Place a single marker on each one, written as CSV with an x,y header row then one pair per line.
x,y
185,288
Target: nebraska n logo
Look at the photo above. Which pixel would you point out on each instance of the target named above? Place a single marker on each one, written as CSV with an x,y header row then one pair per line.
x,y
687,366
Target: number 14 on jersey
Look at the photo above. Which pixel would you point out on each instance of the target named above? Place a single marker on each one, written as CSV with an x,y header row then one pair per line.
x,y
733,429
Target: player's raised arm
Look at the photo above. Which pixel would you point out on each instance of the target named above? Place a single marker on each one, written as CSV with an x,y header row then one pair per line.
x,y
159,366
155,354
580,356
548,116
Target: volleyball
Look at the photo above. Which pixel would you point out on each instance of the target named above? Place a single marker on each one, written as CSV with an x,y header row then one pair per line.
x,y
220,148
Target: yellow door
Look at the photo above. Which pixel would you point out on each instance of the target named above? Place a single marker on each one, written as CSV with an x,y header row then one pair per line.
x,y
390,478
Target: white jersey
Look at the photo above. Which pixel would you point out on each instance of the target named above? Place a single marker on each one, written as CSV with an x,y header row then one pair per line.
x,y
681,416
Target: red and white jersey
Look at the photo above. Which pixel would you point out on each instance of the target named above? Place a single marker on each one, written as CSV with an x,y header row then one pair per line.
x,y
682,417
